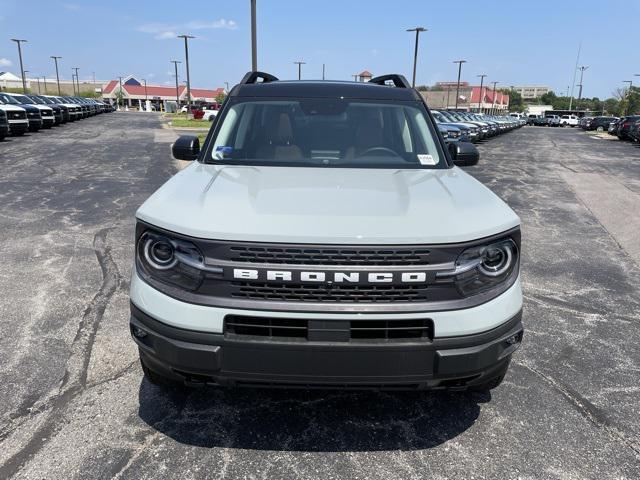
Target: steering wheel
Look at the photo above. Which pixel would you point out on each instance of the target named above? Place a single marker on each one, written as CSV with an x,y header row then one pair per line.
x,y
371,150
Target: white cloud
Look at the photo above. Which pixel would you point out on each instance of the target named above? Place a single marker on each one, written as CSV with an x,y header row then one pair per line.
x,y
5,62
163,31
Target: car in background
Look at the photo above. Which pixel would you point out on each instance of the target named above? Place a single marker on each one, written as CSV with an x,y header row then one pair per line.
x,y
4,125
634,131
75,110
599,124
583,121
553,120
625,126
613,128
46,113
16,117
64,109
84,110
569,121
538,121
33,114
474,130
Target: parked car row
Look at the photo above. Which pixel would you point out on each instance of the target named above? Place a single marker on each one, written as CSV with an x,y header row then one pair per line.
x,y
626,128
472,127
600,124
20,113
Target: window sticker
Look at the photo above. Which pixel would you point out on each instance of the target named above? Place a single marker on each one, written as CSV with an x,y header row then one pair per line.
x,y
223,151
425,159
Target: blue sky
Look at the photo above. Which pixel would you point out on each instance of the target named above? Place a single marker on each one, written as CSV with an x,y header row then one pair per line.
x,y
513,42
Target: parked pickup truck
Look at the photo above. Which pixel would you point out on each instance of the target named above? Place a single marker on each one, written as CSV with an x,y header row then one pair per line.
x,y
569,121
325,236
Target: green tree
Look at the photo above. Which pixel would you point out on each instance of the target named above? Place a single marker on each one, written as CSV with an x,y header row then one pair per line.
x,y
516,104
220,97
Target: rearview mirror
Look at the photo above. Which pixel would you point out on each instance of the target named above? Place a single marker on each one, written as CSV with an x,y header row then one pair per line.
x,y
186,147
464,154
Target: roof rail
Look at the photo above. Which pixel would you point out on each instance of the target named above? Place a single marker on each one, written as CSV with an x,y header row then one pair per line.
x,y
253,77
398,80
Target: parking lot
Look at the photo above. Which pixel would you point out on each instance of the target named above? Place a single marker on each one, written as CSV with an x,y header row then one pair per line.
x,y
73,403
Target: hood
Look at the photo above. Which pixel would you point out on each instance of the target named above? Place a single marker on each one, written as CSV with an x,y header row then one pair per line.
x,y
322,205
29,108
11,108
42,108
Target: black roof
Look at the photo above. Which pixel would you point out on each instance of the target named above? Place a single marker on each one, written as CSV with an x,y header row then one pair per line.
x,y
324,89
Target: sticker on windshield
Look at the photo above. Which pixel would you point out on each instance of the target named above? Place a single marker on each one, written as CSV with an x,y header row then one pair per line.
x,y
425,159
222,151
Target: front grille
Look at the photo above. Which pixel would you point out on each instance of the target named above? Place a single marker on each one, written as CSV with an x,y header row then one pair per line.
x,y
322,293
330,256
330,330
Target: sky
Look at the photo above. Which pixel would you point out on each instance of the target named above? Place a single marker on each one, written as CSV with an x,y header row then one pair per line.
x,y
514,42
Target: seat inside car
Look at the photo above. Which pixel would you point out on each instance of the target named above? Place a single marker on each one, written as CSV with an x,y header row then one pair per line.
x,y
369,134
279,141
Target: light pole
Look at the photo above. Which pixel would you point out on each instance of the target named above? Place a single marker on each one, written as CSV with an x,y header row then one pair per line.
x,y
355,77
24,83
630,82
175,64
323,71
94,81
481,99
254,40
493,106
299,63
227,85
44,80
186,58
415,51
145,94
77,79
582,69
459,62
55,59
120,92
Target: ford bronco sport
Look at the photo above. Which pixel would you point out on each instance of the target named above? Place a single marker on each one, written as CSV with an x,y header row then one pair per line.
x,y
324,236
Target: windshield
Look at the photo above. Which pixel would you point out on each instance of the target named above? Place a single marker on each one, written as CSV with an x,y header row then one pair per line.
x,y
23,99
35,99
326,132
8,99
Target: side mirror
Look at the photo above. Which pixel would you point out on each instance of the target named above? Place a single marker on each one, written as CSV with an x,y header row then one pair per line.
x,y
464,154
186,147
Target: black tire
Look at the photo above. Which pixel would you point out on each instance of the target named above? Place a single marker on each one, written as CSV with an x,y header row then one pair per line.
x,y
159,379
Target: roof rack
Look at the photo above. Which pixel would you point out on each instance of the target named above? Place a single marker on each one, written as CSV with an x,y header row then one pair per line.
x,y
253,77
399,81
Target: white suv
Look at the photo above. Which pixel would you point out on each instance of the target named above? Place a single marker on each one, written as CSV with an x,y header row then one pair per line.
x,y
324,236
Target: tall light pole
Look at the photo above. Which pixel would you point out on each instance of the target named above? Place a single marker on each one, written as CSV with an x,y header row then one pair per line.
x,y
459,62
24,83
575,71
582,69
44,79
254,40
120,91
323,71
493,106
175,64
415,52
94,82
186,58
299,63
630,82
77,79
55,59
227,85
481,99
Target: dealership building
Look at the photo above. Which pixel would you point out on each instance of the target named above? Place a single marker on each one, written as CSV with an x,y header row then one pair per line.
x,y
470,98
135,93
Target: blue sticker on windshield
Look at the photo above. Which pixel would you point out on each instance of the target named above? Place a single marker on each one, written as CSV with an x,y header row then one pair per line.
x,y
224,150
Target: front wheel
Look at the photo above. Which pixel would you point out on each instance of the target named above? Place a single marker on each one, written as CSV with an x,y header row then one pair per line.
x,y
600,129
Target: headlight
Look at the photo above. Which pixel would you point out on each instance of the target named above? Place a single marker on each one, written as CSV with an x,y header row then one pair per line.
x,y
483,267
172,261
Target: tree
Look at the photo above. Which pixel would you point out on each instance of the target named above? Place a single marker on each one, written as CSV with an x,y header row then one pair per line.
x,y
516,104
220,97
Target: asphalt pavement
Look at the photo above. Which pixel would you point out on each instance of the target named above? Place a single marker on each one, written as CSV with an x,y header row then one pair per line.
x,y
73,402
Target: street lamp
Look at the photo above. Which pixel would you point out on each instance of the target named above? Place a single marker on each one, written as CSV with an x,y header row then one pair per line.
x,y
323,71
186,55
415,51
254,40
55,59
120,96
24,83
481,99
493,106
299,63
582,69
145,94
77,79
44,80
175,64
459,62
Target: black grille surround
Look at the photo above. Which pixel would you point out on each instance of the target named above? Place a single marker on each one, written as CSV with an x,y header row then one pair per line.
x,y
223,290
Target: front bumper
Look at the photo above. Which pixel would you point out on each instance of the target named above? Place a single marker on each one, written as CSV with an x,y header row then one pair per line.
x,y
230,360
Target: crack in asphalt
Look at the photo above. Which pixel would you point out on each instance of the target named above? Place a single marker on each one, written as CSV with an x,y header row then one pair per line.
x,y
75,378
587,409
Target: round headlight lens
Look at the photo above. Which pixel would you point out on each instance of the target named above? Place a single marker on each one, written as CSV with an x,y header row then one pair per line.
x,y
496,259
159,253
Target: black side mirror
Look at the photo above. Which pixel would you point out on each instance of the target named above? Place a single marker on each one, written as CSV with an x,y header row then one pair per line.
x,y
186,147
464,154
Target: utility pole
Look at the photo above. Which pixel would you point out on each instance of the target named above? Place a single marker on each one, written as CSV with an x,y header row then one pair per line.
x,y
415,52
44,79
630,82
254,40
227,85
77,79
24,83
582,69
175,64
481,99
299,63
55,59
120,91
186,55
94,81
575,71
38,80
459,62
493,106
323,71
146,99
